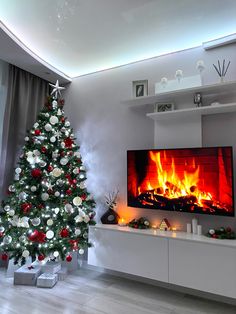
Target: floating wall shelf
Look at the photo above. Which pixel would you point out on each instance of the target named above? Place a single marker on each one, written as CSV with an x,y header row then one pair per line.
x,y
197,111
205,90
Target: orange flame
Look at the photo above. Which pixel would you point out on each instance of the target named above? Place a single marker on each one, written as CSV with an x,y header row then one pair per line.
x,y
169,184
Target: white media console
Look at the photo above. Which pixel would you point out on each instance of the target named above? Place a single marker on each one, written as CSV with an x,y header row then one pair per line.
x,y
178,258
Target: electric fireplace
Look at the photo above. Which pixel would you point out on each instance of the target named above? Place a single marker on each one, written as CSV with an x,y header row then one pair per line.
x,y
193,180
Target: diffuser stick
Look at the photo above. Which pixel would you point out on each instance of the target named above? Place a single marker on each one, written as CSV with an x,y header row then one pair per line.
x,y
227,68
219,67
217,70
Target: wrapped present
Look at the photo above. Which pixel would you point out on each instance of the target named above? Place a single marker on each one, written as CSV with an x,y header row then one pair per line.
x,y
47,280
51,267
27,275
62,274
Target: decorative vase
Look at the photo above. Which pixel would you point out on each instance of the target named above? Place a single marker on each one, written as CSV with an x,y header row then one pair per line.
x,y
110,217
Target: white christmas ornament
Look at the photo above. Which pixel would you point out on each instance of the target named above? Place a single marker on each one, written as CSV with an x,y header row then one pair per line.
x,y
25,253
68,208
78,218
11,212
26,138
36,125
64,161
33,188
76,170
48,127
18,170
67,123
77,154
22,196
7,208
7,239
36,221
57,193
82,185
53,120
59,113
44,196
54,104
81,251
86,219
49,222
77,231
56,254
56,210
53,139
22,238
49,234
47,115
2,229
56,172
63,145
77,201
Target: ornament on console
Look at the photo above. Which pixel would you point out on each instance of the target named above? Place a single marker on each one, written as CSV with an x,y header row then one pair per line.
x,y
141,223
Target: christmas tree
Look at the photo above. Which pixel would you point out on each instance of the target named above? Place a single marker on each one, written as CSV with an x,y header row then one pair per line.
x,y
48,208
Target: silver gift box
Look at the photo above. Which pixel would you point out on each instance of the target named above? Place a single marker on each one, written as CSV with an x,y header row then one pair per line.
x,y
47,280
51,267
27,275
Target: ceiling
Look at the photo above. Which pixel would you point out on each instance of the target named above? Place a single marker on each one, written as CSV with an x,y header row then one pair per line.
x,y
78,37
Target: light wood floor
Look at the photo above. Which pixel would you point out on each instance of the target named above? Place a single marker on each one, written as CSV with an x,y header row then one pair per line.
x,y
90,292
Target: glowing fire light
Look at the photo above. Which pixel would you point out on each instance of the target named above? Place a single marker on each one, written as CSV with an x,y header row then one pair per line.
x,y
170,185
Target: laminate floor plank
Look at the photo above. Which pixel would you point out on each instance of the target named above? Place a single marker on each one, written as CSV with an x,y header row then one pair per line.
x,y
91,292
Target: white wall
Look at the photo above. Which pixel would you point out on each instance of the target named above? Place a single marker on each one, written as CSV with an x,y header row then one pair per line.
x,y
106,128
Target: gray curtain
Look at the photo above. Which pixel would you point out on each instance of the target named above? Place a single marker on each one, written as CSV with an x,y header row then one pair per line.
x,y
25,97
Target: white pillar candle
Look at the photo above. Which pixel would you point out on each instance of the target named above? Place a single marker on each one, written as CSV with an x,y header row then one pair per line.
x,y
199,229
194,225
189,228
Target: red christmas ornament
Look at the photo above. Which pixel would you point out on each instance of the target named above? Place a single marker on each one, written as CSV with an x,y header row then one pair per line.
x,y
74,244
74,181
69,258
41,237
83,197
4,256
43,149
68,142
50,168
64,233
37,132
68,192
1,234
33,236
62,119
50,191
62,154
36,173
26,207
40,206
41,257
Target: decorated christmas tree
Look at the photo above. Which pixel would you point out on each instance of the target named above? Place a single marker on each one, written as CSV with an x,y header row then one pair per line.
x,y
48,208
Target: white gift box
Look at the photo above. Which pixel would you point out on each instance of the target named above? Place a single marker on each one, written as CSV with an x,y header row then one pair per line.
x,y
27,275
51,267
62,274
47,280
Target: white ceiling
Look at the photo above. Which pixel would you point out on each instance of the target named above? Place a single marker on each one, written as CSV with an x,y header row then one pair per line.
x,y
78,37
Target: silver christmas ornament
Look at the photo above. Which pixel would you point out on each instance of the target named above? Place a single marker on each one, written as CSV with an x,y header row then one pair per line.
x,y
25,253
7,208
68,208
33,188
22,196
64,161
44,196
2,229
11,188
36,221
11,212
57,193
48,127
26,138
42,163
77,231
49,234
67,123
18,170
7,239
53,139
81,251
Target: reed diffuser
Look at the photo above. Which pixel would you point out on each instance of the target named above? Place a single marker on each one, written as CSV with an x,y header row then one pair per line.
x,y
221,69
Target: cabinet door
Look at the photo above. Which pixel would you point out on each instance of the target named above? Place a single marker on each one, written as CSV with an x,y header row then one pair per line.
x,y
135,254
206,267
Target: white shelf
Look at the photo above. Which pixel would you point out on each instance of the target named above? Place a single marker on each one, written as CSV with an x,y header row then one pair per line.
x,y
179,235
205,90
197,111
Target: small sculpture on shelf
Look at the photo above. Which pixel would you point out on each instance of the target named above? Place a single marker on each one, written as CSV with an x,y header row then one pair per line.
x,y
197,99
165,225
111,217
141,223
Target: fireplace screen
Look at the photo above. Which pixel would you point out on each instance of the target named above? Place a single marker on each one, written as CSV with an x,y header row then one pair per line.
x,y
194,180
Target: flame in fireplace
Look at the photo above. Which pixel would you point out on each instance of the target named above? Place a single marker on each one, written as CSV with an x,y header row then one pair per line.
x,y
169,184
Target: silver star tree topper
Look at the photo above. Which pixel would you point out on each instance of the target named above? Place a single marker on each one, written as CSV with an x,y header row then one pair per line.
x,y
56,89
